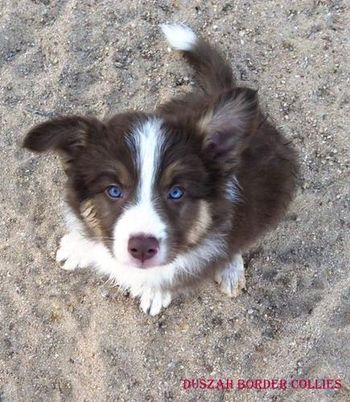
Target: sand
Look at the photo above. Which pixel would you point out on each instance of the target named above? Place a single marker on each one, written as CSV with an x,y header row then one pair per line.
x,y
70,336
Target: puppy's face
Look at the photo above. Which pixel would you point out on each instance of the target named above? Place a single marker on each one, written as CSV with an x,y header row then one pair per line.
x,y
147,186
143,188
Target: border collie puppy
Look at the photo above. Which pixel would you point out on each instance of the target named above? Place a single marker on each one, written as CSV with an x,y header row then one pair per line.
x,y
158,201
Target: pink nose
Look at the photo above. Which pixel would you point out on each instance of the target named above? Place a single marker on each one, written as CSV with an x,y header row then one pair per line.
x,y
143,247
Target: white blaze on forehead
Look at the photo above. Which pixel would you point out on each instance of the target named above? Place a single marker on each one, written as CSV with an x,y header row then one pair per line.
x,y
148,139
141,217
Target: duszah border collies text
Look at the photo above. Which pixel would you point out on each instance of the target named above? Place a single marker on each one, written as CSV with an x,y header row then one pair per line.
x,y
158,201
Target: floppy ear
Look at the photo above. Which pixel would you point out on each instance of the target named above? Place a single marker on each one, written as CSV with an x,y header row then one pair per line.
x,y
228,124
66,135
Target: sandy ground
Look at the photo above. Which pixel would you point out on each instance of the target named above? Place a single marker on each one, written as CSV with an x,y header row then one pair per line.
x,y
70,336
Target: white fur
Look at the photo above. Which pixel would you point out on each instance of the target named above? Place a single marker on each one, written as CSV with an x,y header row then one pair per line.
x,y
231,279
142,218
138,281
179,36
152,301
78,251
149,139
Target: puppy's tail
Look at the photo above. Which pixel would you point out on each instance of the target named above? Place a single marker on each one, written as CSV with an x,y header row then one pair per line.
x,y
215,74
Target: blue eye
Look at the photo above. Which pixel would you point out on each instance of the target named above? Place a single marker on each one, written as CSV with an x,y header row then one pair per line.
x,y
175,193
114,191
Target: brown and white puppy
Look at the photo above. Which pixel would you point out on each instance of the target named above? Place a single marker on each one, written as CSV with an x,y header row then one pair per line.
x,y
158,201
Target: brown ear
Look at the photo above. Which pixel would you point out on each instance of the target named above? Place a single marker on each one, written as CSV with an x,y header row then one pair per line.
x,y
66,135
228,124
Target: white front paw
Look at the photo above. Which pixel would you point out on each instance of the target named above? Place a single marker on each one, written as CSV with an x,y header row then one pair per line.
x,y
231,279
72,252
152,301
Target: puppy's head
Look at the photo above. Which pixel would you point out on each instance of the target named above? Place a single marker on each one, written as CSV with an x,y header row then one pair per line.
x,y
148,186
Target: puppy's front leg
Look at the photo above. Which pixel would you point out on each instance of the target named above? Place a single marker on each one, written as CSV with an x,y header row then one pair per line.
x,y
231,278
153,300
75,251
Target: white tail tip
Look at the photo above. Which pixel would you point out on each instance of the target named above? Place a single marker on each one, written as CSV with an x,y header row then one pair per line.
x,y
179,36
